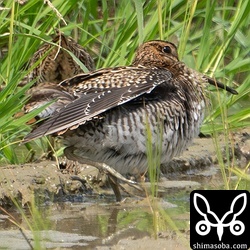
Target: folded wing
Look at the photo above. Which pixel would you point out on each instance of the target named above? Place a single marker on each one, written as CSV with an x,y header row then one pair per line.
x,y
101,91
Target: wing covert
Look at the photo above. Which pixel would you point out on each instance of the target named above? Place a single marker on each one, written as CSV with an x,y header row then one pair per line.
x,y
106,93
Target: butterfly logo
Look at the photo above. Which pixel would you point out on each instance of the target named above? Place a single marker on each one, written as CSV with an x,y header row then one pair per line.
x,y
203,227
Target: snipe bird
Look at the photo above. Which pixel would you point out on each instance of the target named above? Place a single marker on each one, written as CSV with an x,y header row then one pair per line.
x,y
56,60
106,122
56,64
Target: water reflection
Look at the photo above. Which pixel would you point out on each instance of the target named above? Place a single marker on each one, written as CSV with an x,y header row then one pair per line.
x,y
76,225
97,221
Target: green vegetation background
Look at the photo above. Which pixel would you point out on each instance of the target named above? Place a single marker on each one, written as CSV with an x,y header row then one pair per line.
x,y
213,37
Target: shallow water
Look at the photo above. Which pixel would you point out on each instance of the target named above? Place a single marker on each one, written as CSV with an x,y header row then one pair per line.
x,y
77,225
99,223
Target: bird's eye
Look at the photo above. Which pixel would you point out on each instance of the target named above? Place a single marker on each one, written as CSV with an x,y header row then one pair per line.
x,y
166,49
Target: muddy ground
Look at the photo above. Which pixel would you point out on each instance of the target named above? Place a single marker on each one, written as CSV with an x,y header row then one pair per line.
x,y
83,204
49,183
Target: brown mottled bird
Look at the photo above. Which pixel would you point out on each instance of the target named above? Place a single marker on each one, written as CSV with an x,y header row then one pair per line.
x,y
57,63
113,108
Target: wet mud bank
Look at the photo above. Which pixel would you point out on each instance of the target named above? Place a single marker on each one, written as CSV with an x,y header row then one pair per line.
x,y
44,182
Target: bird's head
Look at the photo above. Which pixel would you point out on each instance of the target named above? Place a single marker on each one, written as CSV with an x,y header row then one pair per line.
x,y
156,53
